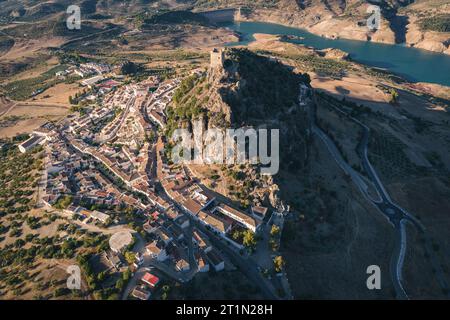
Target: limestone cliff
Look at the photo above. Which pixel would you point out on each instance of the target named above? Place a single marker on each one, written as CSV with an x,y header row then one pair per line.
x,y
250,90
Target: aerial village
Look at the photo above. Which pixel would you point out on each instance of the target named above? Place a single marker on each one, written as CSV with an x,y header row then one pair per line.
x,y
110,160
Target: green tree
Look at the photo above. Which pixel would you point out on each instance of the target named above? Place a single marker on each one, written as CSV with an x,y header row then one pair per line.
x,y
278,263
165,292
130,257
120,284
394,96
126,275
249,239
129,67
274,231
64,202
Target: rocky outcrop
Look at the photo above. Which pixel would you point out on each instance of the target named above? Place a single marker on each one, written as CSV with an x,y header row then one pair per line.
x,y
332,53
216,104
428,40
250,91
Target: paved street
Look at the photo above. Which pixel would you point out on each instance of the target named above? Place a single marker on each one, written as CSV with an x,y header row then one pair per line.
x,y
246,265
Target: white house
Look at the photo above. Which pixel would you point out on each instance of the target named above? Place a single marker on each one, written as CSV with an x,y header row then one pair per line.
x,y
157,251
248,221
31,143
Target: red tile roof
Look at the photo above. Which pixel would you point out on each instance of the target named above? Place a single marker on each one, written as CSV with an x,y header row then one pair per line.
x,y
150,279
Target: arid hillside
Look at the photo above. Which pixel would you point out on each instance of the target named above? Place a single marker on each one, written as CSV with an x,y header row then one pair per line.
x,y
423,24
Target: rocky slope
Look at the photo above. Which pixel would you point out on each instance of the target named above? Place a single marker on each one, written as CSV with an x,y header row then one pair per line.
x,y
250,91
429,39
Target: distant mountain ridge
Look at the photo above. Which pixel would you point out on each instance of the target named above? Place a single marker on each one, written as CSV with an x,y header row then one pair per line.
x,y
421,23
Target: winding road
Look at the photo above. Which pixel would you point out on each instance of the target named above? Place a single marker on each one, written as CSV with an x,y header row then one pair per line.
x,y
394,213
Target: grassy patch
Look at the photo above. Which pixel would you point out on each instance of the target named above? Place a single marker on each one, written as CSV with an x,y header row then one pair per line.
x,y
439,23
27,88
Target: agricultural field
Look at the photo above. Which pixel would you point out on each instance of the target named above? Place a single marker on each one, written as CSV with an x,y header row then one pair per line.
x,y
387,155
19,176
27,88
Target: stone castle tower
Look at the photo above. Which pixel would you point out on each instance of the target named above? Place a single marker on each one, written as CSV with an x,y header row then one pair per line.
x,y
217,58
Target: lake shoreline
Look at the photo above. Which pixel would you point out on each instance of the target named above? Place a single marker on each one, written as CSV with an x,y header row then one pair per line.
x,y
413,64
343,29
